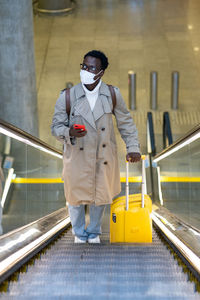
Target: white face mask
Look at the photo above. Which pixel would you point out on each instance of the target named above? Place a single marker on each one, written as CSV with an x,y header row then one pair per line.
x,y
87,77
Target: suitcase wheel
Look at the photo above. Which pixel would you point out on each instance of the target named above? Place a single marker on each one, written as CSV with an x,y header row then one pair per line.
x,y
114,218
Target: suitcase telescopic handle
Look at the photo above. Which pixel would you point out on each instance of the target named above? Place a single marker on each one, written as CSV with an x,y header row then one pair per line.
x,y
144,191
144,186
127,184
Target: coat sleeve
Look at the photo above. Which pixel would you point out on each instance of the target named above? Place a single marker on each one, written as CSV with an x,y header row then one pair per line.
x,y
60,122
125,124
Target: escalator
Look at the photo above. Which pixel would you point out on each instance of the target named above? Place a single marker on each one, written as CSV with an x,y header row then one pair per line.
x,y
64,270
69,271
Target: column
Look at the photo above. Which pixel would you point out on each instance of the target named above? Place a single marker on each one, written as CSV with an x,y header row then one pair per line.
x,y
55,7
18,97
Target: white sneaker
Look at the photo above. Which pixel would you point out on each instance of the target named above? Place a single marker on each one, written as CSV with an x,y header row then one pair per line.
x,y
96,240
79,241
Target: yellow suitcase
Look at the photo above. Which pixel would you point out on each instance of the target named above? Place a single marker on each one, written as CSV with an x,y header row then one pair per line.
x,y
130,216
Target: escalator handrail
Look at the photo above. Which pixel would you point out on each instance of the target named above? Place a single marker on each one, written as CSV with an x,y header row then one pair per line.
x,y
21,244
186,137
167,133
21,133
151,133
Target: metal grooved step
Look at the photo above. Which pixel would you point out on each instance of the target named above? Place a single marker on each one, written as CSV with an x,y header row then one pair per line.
x,y
105,271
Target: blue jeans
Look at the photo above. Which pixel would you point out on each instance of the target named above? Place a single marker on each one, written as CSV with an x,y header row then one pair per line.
x,y
77,216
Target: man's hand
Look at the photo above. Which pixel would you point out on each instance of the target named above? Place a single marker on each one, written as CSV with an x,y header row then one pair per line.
x,y
77,132
133,157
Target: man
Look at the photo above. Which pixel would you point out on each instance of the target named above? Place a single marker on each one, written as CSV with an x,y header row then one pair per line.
x,y
90,163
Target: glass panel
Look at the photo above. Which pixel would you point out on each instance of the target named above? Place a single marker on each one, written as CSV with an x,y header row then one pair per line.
x,y
14,157
180,183
36,188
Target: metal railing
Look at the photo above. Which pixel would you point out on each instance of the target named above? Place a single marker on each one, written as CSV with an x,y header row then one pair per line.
x,y
177,190
192,135
22,242
13,131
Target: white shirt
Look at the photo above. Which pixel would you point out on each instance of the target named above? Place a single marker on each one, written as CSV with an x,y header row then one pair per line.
x,y
92,95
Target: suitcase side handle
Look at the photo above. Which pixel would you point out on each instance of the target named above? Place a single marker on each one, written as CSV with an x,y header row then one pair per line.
x,y
144,190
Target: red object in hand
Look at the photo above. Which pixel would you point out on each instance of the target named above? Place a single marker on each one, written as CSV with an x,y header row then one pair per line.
x,y
79,127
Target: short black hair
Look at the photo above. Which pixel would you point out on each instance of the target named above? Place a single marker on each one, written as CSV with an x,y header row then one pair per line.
x,y
101,56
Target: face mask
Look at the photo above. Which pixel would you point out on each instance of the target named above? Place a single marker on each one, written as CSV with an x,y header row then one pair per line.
x,y
87,77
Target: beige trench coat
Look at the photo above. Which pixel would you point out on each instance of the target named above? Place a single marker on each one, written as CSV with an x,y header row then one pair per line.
x,y
90,163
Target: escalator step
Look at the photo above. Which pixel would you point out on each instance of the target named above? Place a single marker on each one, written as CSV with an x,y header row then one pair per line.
x,y
119,271
157,288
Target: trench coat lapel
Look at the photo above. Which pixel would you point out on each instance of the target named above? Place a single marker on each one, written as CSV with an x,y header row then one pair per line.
x,y
102,104
83,106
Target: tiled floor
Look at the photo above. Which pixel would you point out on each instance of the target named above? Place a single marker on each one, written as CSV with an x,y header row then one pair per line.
x,y
139,35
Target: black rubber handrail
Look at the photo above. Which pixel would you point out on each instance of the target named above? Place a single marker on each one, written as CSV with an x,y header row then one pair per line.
x,y
167,133
28,136
188,135
151,133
